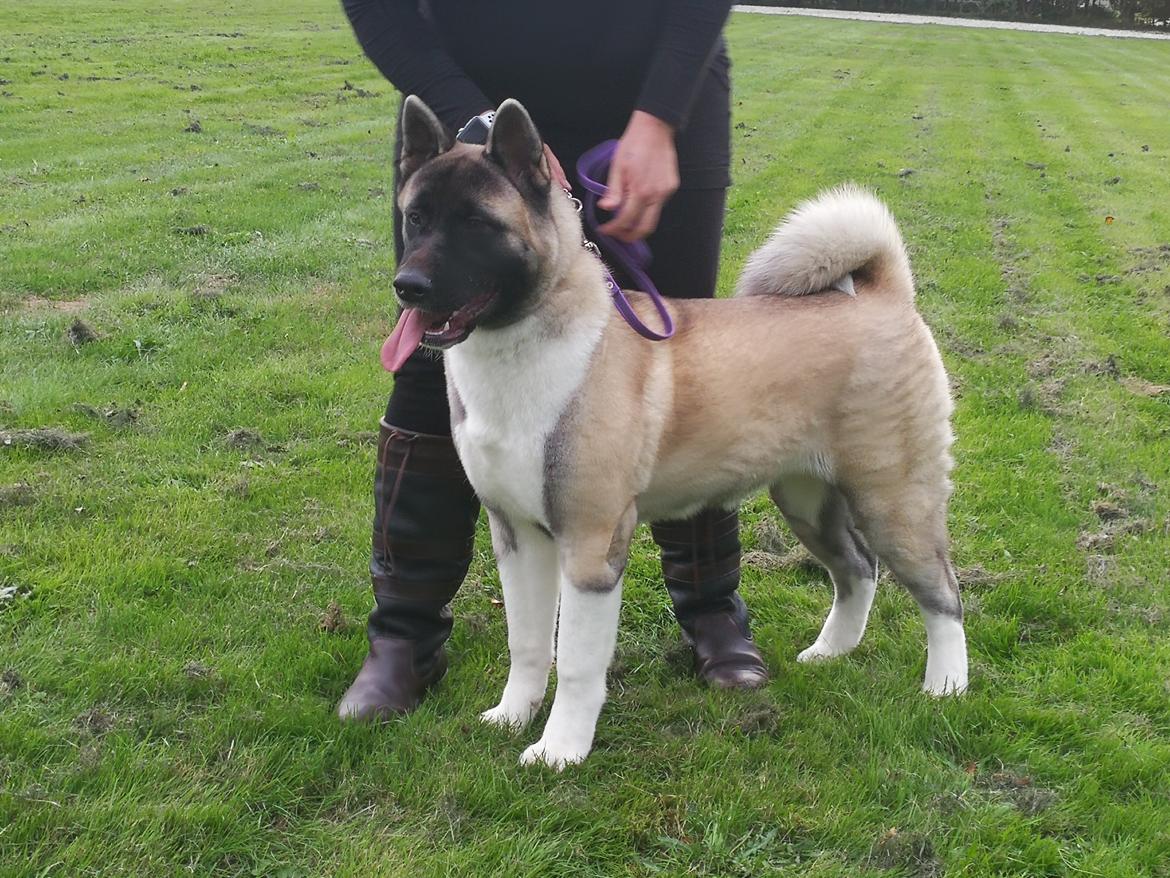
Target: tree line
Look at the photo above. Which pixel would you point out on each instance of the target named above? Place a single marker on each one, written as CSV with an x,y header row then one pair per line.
x,y
1151,14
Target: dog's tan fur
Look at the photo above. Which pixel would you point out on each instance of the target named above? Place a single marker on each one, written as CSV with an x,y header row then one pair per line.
x,y
851,387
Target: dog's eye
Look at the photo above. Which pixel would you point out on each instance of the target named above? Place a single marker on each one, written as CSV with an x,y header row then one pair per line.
x,y
474,219
414,218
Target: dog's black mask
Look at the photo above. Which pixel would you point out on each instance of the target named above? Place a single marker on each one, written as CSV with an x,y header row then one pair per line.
x,y
472,223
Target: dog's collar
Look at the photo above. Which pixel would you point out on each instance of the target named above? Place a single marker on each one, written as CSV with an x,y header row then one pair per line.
x,y
477,128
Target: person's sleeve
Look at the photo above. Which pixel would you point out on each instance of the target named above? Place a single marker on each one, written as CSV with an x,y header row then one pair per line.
x,y
690,37
405,48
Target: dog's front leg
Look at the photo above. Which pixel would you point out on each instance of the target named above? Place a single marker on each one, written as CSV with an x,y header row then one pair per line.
x,y
585,644
592,565
527,561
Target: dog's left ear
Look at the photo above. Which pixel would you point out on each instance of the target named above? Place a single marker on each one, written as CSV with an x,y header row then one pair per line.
x,y
423,137
515,145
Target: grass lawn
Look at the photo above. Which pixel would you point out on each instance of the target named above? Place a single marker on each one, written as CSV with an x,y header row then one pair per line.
x,y
194,281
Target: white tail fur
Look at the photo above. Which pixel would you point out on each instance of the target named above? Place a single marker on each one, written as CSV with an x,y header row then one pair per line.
x,y
823,242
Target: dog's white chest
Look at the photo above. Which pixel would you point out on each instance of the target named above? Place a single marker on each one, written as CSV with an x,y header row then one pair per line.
x,y
505,461
512,397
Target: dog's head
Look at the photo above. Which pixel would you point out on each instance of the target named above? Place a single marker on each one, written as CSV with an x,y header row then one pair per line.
x,y
476,224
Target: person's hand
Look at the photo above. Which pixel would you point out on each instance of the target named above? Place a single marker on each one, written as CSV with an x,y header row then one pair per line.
x,y
554,167
642,176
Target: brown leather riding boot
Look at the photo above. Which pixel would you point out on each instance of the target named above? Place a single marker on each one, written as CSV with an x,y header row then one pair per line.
x,y
700,562
424,529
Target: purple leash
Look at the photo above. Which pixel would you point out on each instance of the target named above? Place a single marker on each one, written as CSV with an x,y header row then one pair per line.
x,y
634,258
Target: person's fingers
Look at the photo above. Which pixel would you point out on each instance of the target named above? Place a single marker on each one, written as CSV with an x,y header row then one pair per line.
x,y
555,168
648,222
616,185
630,218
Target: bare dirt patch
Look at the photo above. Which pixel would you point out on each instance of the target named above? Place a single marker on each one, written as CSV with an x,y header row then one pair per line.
x,y
1142,387
795,558
96,721
18,494
1043,397
1107,367
240,488
325,288
262,130
114,415
61,306
243,439
769,536
357,438
976,576
212,286
80,333
1099,569
1116,521
358,91
44,439
775,551
760,719
197,670
1108,510
333,620
10,681
1150,259
910,852
1019,789
9,592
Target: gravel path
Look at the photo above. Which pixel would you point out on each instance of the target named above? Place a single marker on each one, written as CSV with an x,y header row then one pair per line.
x,y
897,18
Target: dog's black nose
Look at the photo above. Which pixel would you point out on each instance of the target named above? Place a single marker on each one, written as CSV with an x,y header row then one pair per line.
x,y
413,286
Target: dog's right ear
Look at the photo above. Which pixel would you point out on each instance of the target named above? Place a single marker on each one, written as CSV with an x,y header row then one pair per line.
x,y
515,145
423,137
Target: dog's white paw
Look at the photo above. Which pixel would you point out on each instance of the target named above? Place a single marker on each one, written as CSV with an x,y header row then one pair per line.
x,y
819,651
941,685
507,715
946,656
553,754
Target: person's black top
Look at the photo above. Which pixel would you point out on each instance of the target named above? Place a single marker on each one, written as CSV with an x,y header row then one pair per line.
x,y
570,63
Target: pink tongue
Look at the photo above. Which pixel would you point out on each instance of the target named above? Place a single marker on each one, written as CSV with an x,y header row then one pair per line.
x,y
404,340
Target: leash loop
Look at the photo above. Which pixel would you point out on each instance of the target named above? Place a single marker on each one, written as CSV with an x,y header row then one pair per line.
x,y
592,167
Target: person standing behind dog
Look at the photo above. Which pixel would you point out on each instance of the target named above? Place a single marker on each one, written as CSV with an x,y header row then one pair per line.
x,y
655,75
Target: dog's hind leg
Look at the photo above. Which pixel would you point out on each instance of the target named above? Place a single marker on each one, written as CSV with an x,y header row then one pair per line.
x,y
819,515
527,560
592,561
905,523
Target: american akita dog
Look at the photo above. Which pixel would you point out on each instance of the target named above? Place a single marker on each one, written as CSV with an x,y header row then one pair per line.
x,y
818,381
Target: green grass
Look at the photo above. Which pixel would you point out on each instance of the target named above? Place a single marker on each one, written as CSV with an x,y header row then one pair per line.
x,y
167,686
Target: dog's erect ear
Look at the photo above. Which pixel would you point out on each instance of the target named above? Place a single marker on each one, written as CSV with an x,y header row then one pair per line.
x,y
515,145
423,137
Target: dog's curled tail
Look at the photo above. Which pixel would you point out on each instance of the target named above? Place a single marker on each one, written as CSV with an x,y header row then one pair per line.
x,y
827,241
